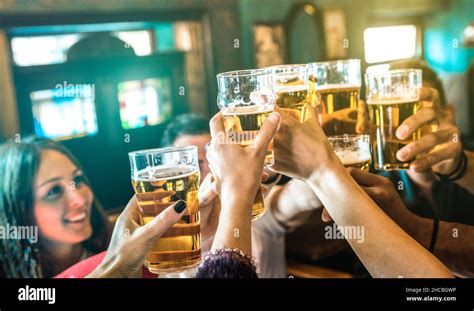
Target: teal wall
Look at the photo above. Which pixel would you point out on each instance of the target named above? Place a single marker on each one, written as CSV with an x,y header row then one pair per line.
x,y
441,31
444,23
273,11
259,11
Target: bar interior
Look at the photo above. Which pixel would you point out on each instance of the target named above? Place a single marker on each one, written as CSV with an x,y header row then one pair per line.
x,y
237,139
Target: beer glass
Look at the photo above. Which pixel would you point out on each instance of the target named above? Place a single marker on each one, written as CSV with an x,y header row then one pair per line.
x,y
291,86
334,88
392,96
353,150
246,98
161,177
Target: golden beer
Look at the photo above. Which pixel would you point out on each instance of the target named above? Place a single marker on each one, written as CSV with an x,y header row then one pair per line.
x,y
355,159
291,88
386,116
353,150
294,98
258,207
180,247
338,108
312,94
243,124
334,89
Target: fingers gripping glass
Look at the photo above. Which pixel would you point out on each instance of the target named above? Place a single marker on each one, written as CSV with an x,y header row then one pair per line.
x,y
161,177
392,97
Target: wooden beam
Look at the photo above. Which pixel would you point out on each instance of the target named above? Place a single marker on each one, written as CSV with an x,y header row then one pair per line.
x,y
8,109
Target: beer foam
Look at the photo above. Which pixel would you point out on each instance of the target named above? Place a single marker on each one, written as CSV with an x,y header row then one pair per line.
x,y
349,157
395,101
261,97
339,86
291,88
253,109
167,172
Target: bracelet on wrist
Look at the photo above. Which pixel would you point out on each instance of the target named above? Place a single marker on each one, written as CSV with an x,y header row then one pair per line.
x,y
458,172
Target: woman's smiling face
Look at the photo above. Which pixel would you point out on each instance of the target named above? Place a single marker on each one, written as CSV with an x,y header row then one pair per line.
x,y
63,200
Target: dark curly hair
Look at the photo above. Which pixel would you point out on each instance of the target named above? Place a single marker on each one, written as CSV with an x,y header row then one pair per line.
x,y
19,163
227,264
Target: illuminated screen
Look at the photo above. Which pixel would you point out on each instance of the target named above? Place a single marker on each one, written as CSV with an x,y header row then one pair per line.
x,y
144,102
64,112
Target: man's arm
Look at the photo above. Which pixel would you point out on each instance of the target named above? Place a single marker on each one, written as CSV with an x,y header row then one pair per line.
x,y
292,203
467,182
453,246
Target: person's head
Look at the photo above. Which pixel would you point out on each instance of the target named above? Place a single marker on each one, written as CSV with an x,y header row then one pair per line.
x,y
99,45
43,185
186,130
430,78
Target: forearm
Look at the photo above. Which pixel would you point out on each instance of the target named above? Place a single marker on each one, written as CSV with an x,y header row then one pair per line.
x,y
292,203
467,182
234,229
209,226
112,267
386,250
454,247
453,244
419,228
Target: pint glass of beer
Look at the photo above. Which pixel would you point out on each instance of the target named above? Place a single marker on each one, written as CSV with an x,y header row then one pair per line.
x,y
246,98
161,177
353,150
334,88
291,87
392,96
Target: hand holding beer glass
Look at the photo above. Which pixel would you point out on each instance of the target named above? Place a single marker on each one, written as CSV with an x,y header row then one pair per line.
x,y
334,88
440,147
302,150
246,98
291,87
161,177
392,97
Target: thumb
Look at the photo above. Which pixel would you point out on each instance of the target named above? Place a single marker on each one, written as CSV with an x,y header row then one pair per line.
x,y
267,131
153,230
